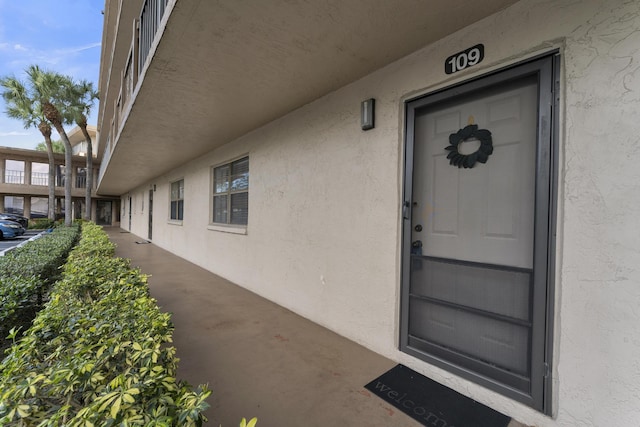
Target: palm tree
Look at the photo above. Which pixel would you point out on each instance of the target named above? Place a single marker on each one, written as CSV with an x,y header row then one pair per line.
x,y
21,105
57,145
80,97
49,90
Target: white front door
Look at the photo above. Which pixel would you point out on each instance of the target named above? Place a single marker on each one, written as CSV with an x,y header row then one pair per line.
x,y
470,236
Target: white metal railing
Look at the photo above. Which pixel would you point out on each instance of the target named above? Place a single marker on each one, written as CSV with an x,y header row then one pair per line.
x,y
150,17
13,177
39,178
42,178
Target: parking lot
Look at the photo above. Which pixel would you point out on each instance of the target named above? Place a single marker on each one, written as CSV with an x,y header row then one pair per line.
x,y
6,244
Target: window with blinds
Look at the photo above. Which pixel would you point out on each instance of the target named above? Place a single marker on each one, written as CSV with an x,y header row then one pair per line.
x,y
231,193
177,200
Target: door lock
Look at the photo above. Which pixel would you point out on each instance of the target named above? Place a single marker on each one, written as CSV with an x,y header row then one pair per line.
x,y
416,247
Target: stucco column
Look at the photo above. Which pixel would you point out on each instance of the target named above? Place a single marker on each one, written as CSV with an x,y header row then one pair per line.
x,y
77,209
26,206
58,206
27,178
2,200
3,166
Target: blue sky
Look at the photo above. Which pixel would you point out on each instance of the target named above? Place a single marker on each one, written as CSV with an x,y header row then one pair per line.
x,y
58,35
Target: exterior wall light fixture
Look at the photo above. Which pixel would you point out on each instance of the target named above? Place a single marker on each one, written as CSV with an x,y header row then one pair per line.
x,y
367,114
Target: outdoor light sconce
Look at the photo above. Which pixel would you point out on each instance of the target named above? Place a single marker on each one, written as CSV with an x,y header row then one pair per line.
x,y
367,114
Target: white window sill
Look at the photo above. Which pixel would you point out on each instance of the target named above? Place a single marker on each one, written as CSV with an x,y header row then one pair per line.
x,y
174,222
227,229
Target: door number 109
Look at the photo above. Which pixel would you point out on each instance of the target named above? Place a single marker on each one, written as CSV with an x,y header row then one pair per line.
x,y
467,58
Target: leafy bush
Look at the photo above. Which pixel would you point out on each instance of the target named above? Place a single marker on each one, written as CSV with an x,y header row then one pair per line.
x,y
251,423
41,223
98,353
18,305
41,257
27,272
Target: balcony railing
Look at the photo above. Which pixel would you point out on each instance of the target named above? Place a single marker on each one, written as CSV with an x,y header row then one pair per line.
x,y
150,17
39,178
42,179
13,177
147,28
81,181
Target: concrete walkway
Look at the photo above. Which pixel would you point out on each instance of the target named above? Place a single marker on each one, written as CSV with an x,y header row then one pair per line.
x,y
259,359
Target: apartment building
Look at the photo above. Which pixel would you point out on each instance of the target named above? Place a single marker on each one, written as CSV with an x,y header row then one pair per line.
x,y
24,182
452,184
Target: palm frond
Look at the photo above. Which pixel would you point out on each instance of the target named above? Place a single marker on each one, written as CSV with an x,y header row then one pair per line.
x,y
20,104
81,97
27,118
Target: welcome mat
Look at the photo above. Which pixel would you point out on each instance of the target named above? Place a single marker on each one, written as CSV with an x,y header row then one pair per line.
x,y
430,403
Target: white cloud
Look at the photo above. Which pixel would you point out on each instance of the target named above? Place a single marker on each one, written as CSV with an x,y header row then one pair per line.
x,y
57,57
19,47
89,46
14,133
72,50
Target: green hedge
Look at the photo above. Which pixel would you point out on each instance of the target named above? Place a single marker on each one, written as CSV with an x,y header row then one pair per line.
x,y
26,273
41,223
98,354
41,257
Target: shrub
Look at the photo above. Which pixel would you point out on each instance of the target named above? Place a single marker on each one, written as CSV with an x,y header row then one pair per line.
x,y
41,223
18,303
41,257
98,353
27,272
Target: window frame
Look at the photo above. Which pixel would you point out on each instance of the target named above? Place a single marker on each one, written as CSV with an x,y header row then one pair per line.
x,y
228,225
177,201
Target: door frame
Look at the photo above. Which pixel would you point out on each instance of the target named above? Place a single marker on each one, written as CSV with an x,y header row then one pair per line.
x,y
101,203
151,214
546,67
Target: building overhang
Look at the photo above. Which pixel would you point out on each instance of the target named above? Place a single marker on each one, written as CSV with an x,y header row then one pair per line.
x,y
223,69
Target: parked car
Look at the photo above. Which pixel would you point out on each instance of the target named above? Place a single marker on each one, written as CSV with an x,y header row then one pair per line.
x,y
23,221
10,229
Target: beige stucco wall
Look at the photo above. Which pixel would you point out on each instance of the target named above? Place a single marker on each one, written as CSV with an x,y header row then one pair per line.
x,y
324,225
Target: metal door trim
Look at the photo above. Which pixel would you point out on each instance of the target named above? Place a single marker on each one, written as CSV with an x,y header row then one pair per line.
x,y
547,69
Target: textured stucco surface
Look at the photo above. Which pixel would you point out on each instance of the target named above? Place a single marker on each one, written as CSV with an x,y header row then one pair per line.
x,y
232,66
324,228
